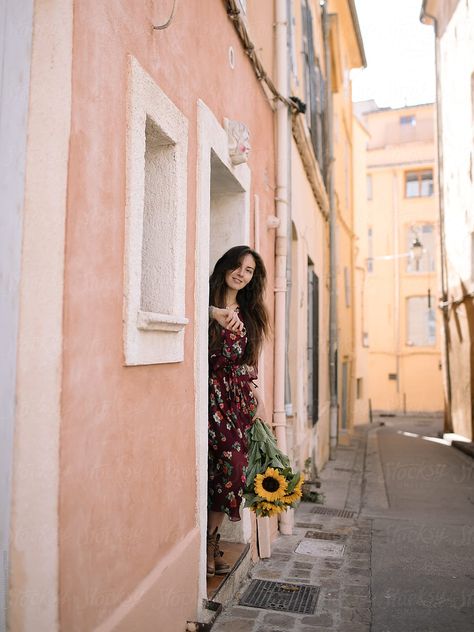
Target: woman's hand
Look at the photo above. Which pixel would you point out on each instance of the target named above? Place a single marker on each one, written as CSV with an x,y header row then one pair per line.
x,y
260,412
227,318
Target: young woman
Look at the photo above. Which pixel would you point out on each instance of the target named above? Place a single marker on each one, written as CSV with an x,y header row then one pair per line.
x,y
238,322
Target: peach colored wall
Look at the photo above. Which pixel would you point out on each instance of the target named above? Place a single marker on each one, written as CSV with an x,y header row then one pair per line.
x,y
128,488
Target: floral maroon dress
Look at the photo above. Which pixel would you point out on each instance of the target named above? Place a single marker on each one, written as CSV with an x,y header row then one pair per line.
x,y
232,407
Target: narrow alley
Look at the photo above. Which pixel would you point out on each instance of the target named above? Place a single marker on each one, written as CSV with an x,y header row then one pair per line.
x,y
408,550
237,273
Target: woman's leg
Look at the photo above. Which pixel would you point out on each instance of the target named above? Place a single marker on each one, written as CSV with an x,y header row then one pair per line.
x,y
214,519
215,564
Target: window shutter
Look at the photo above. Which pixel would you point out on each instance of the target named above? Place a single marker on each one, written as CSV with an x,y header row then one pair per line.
x,y
315,92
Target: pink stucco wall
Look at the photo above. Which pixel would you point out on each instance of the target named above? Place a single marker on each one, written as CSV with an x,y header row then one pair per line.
x,y
127,456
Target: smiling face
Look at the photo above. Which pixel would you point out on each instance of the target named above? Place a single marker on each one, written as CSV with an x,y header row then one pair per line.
x,y
242,275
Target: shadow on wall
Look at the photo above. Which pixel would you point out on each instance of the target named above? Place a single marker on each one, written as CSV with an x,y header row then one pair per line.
x,y
468,305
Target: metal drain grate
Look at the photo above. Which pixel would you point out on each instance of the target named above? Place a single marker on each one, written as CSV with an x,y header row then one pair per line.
x,y
284,597
308,525
342,469
323,535
339,513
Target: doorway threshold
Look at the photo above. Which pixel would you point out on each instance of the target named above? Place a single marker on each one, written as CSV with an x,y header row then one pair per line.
x,y
234,554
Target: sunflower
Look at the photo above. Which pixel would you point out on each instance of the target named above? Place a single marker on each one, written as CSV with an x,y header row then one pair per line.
x,y
271,485
293,497
299,484
269,509
295,494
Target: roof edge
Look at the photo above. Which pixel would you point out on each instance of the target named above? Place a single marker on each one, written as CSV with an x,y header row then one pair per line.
x,y
358,33
425,17
402,107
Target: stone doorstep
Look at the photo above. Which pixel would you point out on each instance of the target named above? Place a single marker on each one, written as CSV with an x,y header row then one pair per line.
x,y
229,587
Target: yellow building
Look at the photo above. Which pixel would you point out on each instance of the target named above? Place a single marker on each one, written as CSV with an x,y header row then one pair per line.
x,y
321,36
360,138
348,53
398,231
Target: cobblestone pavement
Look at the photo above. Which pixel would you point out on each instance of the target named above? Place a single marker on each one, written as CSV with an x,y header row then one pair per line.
x,y
408,555
344,602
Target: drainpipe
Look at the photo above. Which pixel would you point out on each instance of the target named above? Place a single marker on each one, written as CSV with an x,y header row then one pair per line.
x,y
442,238
333,408
281,245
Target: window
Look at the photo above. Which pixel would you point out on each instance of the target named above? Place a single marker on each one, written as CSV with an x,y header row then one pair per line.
x,y
315,91
292,45
472,256
156,172
313,344
409,120
471,166
347,287
421,322
347,174
156,296
419,183
472,99
369,186
359,388
370,250
426,235
345,395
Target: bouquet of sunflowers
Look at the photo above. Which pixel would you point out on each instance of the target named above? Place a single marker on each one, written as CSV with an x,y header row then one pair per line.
x,y
272,487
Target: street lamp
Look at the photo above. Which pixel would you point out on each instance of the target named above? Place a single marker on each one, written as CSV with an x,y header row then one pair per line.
x,y
416,252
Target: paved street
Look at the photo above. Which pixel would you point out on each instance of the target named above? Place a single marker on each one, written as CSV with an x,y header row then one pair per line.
x,y
422,532
408,558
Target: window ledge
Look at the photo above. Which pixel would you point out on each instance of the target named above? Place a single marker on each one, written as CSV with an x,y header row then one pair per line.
x,y
152,321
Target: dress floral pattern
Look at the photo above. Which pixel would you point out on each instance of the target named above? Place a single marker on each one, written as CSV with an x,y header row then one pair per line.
x,y
232,407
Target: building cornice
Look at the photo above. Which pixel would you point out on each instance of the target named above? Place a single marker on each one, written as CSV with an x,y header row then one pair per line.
x,y
357,31
310,164
404,163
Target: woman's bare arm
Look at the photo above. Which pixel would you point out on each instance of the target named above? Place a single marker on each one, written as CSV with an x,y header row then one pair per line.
x,y
226,318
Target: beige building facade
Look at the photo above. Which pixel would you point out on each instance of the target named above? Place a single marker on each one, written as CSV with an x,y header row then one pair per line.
x,y
398,235
453,22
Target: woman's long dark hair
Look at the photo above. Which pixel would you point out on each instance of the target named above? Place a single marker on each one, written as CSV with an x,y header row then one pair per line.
x,y
250,299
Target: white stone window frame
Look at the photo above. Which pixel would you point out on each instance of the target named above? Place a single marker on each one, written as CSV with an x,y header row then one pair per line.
x,y
152,337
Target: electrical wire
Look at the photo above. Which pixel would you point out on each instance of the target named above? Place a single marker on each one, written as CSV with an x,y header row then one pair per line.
x,y
234,14
165,25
